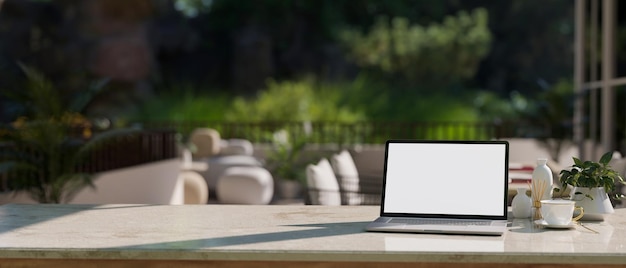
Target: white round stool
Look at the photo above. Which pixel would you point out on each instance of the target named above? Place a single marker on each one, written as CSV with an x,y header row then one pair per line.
x,y
245,185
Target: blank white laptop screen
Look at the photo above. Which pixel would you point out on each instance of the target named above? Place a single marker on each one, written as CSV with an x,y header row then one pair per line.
x,y
446,178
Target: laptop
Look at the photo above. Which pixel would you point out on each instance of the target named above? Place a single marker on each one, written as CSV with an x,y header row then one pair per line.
x,y
444,187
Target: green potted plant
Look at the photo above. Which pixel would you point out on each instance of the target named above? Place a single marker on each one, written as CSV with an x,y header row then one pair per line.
x,y
41,151
591,184
284,162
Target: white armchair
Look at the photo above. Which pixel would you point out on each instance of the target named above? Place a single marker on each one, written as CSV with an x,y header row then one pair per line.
x,y
220,154
356,188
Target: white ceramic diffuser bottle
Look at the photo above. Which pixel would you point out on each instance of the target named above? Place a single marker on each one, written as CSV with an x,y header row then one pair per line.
x,y
542,176
521,204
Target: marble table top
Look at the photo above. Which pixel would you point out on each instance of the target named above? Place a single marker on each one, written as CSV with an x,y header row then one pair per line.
x,y
289,232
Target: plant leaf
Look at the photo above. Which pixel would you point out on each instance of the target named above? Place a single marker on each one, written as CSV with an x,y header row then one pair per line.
x,y
81,101
9,166
577,162
100,139
606,158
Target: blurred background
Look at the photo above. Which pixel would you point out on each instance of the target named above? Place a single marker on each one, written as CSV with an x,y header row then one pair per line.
x,y
372,66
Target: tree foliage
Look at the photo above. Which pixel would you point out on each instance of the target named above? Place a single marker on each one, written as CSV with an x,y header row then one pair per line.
x,y
440,52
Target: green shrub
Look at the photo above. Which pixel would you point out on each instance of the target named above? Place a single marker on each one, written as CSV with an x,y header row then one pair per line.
x,y
297,106
183,104
381,102
438,53
292,101
491,107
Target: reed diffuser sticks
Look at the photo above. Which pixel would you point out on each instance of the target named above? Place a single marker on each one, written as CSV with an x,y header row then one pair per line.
x,y
538,187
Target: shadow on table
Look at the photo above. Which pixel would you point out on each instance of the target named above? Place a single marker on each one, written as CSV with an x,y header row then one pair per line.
x,y
322,230
15,216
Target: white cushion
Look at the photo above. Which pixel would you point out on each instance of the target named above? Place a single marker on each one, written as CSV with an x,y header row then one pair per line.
x,y
236,147
348,177
245,185
206,141
218,164
322,184
343,164
196,190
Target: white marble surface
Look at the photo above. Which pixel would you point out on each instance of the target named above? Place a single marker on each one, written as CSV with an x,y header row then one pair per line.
x,y
240,232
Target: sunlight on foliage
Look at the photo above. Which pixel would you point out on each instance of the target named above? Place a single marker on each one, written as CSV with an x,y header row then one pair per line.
x,y
292,101
184,103
448,51
191,8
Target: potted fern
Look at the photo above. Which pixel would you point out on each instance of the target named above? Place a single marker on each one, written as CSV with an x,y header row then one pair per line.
x,y
591,183
41,151
283,161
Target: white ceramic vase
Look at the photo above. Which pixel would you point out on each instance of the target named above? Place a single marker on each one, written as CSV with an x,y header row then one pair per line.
x,y
521,204
543,173
596,208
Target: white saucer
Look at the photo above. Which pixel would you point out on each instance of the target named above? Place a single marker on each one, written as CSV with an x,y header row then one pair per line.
x,y
558,226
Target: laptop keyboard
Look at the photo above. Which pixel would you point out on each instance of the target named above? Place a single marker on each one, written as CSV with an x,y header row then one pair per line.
x,y
438,221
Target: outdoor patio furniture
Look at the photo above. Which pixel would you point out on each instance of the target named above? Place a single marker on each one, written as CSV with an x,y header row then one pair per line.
x,y
206,142
220,154
245,185
355,188
195,188
151,183
322,185
347,177
219,164
236,147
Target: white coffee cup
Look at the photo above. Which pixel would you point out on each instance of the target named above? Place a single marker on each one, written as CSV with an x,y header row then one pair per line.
x,y
559,212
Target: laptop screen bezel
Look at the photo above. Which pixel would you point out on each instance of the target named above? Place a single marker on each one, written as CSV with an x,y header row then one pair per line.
x,y
504,214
